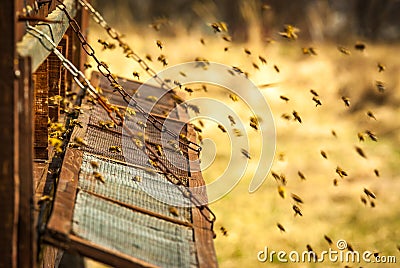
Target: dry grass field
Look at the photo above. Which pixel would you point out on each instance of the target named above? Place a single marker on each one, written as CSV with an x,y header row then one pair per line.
x,y
336,211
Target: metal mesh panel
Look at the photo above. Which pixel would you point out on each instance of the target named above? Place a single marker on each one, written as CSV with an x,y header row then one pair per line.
x,y
120,184
144,237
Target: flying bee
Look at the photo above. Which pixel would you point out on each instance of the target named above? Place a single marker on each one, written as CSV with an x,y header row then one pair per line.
x,y
372,204
341,172
371,115
289,32
360,151
136,74
309,51
248,52
380,86
262,59
194,108
335,182
282,178
297,210
137,178
276,176
232,120
314,93
286,116
360,136
115,149
371,135
245,153
376,172
159,44
381,67
255,66
226,49
323,154
297,198
200,123
237,132
296,116
219,27
369,193
189,90
174,211
227,38
359,46
284,98
163,60
344,50
328,239
98,176
349,247
346,101
301,175
148,57
94,164
233,97
224,231
80,141
280,227
87,65
183,137
202,41
281,191
221,127
200,138
317,101
363,200
276,68
196,128
333,133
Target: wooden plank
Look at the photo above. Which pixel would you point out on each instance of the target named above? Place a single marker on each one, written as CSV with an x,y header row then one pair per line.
x,y
77,245
26,222
31,46
9,191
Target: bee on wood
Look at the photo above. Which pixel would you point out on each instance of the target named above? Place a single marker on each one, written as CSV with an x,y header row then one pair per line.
x,y
344,50
284,98
289,32
80,141
174,211
296,116
360,151
233,97
98,176
245,153
87,65
94,164
280,227
346,101
262,59
114,149
297,210
44,198
137,178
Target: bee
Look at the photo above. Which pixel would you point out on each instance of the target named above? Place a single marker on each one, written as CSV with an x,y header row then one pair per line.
x,y
55,100
221,127
196,128
289,32
297,210
341,172
284,98
76,122
346,101
317,101
380,86
237,70
159,150
44,198
219,27
282,178
262,59
276,176
151,98
183,137
309,51
359,46
255,66
328,239
224,231
363,200
314,93
174,211
297,198
333,133
371,115
360,151
335,182
233,97
344,50
232,120
226,49
80,141
324,154
137,178
98,176
245,153
200,138
136,74
349,247
237,132
369,193
141,124
297,117
87,65
189,90
301,175
286,116
360,136
381,67
372,203
200,123
202,41
276,68
163,60
280,227
148,57
151,162
159,44
94,164
281,191
194,108
227,38
115,149
371,135
248,52
376,172
130,111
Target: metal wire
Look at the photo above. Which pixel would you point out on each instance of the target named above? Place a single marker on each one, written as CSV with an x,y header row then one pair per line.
x,y
48,44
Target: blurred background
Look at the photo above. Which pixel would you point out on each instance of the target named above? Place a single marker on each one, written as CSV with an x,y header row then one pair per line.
x,y
347,53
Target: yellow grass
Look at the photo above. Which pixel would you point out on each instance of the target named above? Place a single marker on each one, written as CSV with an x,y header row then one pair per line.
x,y
335,211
